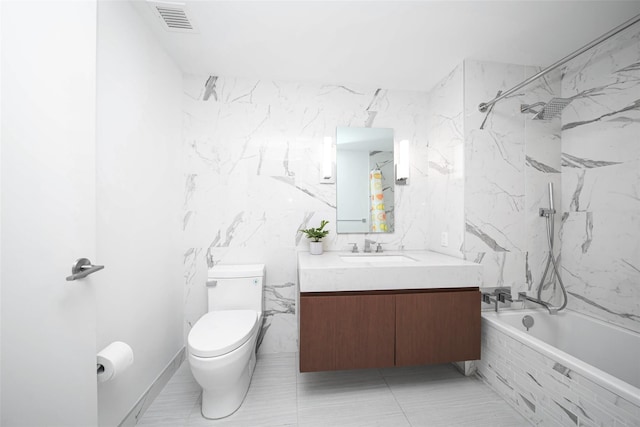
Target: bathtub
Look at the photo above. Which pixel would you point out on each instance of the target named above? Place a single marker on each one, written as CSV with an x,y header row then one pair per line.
x,y
568,369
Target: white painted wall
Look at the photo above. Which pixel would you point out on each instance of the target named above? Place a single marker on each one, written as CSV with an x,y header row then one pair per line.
x,y
138,198
1,121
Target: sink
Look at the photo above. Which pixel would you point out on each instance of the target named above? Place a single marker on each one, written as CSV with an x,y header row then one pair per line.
x,y
376,258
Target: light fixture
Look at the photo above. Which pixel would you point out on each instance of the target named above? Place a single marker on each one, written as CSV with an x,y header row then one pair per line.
x,y
402,166
326,176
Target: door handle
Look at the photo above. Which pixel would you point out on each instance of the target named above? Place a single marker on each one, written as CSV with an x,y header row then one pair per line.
x,y
82,268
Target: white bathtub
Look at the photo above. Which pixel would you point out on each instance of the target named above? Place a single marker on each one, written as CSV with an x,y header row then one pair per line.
x,y
568,369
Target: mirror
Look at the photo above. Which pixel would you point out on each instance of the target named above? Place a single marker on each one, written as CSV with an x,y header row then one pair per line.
x,y
364,180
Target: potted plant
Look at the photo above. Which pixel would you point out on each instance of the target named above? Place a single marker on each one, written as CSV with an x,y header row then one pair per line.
x,y
316,234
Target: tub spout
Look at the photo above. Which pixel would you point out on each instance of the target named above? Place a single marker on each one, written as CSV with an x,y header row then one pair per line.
x,y
522,296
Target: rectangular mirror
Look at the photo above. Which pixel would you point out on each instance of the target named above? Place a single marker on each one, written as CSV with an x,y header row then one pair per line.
x,y
364,180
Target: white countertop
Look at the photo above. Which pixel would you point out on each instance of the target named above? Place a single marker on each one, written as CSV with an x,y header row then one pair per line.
x,y
330,273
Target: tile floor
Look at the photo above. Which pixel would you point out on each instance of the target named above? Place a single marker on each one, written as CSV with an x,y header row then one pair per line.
x,y
281,396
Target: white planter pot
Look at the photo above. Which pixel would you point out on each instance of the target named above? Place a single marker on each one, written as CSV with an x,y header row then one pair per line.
x,y
315,248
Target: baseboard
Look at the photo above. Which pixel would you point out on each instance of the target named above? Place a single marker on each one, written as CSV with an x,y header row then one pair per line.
x,y
138,410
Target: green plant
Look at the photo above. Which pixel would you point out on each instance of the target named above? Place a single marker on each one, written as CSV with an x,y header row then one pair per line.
x,y
316,233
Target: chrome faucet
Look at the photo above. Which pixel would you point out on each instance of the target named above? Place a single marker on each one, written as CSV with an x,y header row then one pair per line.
x,y
522,296
487,298
367,245
499,295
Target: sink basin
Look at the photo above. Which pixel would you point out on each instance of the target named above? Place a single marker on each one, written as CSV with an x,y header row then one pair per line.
x,y
376,258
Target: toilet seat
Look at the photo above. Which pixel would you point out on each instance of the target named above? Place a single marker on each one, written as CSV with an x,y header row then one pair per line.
x,y
220,332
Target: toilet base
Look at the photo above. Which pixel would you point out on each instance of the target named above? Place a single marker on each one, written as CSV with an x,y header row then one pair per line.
x,y
218,403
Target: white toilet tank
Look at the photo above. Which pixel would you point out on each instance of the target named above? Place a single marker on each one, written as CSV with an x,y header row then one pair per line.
x,y
236,287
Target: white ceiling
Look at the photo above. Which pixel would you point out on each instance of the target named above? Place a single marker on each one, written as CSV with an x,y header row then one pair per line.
x,y
392,44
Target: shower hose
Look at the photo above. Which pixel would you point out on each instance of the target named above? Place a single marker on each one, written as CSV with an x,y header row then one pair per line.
x,y
552,261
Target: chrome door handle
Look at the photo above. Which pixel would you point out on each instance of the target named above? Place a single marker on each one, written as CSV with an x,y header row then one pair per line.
x,y
82,268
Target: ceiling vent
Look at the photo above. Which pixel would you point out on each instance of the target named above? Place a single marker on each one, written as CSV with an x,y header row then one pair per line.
x,y
173,16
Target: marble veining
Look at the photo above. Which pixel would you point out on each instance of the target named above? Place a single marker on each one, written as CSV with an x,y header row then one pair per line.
x,y
508,162
281,302
603,308
548,388
210,88
445,164
252,174
600,173
634,106
371,113
488,240
576,162
306,191
252,179
540,166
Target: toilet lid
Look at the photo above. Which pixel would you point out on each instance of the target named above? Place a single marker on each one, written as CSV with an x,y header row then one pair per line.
x,y
219,332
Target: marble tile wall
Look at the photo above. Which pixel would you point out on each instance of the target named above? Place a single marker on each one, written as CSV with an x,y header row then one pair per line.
x,y
252,179
509,159
445,130
488,173
544,391
601,180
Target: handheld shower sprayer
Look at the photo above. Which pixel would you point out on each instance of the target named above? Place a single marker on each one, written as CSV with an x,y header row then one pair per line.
x,y
548,214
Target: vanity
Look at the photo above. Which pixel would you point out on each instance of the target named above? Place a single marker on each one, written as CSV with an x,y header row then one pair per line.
x,y
406,308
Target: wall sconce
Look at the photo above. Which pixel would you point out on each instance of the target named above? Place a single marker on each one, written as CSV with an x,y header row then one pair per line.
x,y
402,166
326,174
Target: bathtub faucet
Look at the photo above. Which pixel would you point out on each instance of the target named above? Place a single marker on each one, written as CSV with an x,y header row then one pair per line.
x,y
499,295
522,296
487,298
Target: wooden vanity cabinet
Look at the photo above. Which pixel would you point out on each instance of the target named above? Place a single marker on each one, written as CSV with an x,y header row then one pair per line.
x,y
347,331
357,330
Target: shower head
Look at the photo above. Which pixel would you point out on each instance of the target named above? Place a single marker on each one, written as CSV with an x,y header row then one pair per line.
x,y
550,110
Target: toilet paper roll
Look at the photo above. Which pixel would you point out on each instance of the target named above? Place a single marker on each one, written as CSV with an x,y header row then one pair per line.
x,y
113,359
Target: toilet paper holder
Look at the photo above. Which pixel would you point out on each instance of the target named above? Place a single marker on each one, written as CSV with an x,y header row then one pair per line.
x,y
112,360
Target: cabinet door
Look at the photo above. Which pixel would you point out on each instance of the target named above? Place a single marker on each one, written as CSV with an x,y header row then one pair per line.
x,y
317,333
365,331
346,332
437,327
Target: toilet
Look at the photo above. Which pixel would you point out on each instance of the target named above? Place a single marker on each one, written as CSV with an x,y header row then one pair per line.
x,y
222,343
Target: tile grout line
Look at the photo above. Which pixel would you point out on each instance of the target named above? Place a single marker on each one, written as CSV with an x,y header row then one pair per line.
x,y
394,397
193,408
